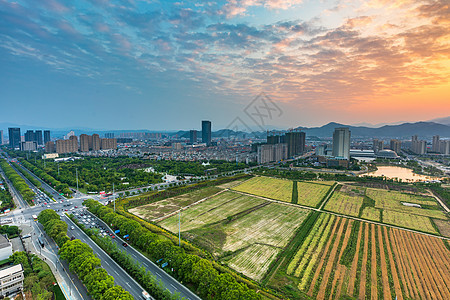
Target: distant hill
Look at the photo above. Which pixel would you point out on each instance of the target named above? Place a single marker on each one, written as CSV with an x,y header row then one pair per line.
x,y
405,130
445,121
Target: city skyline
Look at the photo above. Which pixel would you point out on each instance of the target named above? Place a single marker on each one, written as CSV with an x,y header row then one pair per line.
x,y
347,62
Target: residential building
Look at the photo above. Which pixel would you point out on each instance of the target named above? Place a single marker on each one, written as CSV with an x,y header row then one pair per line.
x,y
418,146
320,150
68,135
444,147
396,146
341,143
177,146
436,143
95,142
295,141
1,137
46,136
28,146
106,144
11,280
67,146
14,137
206,132
193,137
271,152
109,135
84,143
50,147
5,248
377,145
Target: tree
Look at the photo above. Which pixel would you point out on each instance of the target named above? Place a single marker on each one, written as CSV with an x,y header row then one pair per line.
x,y
117,292
98,282
47,215
71,249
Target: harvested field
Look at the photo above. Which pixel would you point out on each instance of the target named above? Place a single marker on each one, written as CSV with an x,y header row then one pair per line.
x,y
273,188
344,204
408,221
248,231
164,207
443,226
373,261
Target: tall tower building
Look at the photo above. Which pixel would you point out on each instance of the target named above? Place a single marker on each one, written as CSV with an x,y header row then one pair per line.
x,y
46,136
38,137
377,145
1,137
436,143
396,146
193,137
14,137
84,143
341,143
206,132
29,136
95,142
295,141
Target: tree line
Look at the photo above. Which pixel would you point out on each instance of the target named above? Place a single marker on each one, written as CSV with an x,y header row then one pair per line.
x,y
189,269
82,260
17,181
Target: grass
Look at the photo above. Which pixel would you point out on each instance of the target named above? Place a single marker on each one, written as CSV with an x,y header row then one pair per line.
x,y
58,293
163,207
273,188
344,203
410,221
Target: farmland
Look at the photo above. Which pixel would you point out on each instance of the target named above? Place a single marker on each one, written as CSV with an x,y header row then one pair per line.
x,y
246,232
309,193
273,188
342,257
161,208
344,203
408,221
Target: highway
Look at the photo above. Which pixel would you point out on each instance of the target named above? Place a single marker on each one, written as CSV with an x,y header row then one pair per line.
x,y
64,205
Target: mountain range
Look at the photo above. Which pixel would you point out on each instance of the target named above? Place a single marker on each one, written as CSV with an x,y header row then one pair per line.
x,y
428,129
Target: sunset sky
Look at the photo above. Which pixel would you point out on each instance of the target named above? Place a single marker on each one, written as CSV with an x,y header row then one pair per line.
x,y
168,65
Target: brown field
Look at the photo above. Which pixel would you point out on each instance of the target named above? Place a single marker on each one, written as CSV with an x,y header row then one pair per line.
x,y
393,263
443,226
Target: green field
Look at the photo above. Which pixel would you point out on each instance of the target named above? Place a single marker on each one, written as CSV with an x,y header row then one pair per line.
x,y
164,207
371,213
247,232
407,220
344,203
309,193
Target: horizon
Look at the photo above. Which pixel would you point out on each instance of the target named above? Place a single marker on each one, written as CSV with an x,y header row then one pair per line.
x,y
170,65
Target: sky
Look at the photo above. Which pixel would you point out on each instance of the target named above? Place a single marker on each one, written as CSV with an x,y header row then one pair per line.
x,y
166,65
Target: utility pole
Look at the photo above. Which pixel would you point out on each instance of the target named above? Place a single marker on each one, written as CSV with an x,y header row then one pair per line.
x,y
179,229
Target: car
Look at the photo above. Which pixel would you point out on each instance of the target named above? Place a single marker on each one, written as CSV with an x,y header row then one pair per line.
x,y
72,227
66,209
48,206
125,244
113,237
76,206
110,234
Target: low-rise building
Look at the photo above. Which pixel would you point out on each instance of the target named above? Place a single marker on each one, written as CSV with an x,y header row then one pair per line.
x,y
11,280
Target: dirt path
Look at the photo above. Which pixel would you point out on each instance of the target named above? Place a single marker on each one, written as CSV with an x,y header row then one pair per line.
x,y
398,290
351,282
384,272
362,284
373,265
322,260
439,201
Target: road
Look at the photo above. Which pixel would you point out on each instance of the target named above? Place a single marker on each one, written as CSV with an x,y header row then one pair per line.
x,y
64,205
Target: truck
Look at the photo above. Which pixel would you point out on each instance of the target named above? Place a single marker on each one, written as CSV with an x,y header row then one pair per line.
x,y
146,296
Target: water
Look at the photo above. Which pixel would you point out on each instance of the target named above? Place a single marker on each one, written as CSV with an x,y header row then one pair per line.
x,y
398,172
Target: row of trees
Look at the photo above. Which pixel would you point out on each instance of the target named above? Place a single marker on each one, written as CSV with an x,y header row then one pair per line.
x,y
6,200
39,278
31,178
19,184
56,184
190,269
82,260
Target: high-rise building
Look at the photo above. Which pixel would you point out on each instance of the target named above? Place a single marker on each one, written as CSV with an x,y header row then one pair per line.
x,y
106,144
271,152
50,147
95,142
444,147
29,136
193,137
28,146
67,146
436,144
1,137
418,146
109,135
377,145
84,143
38,137
14,137
341,143
46,136
396,145
295,141
206,132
